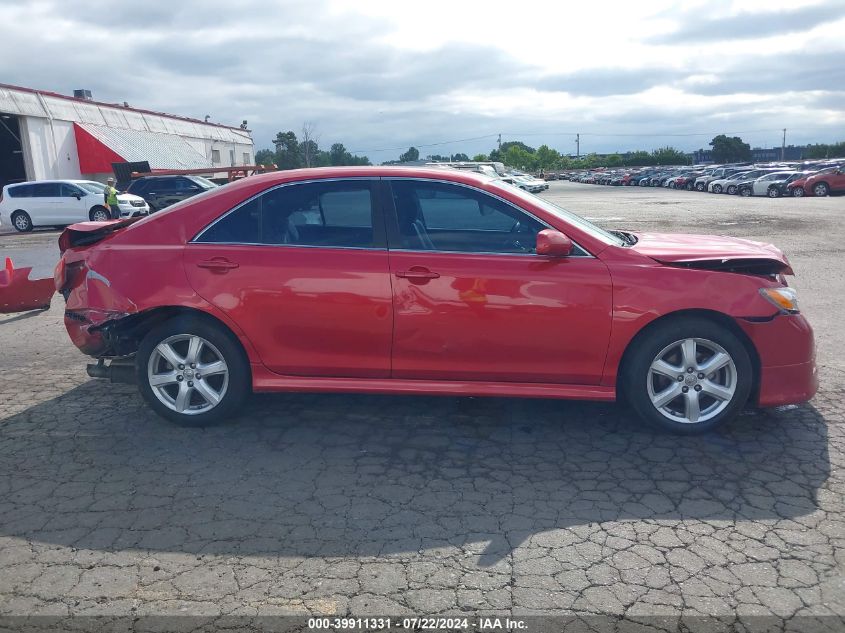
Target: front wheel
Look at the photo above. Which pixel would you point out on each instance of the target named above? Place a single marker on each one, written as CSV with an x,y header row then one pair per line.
x,y
745,191
731,190
99,214
688,376
798,192
717,188
192,371
774,192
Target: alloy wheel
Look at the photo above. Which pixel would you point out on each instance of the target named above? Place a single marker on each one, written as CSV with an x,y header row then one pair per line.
x,y
188,374
820,190
692,380
22,222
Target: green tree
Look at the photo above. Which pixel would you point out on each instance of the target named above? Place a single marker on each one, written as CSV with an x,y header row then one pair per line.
x,y
547,158
412,154
670,156
508,144
309,150
730,150
613,160
339,155
265,157
823,150
287,150
460,157
516,156
481,158
639,159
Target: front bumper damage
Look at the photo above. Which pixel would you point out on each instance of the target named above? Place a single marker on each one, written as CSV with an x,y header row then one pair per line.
x,y
19,293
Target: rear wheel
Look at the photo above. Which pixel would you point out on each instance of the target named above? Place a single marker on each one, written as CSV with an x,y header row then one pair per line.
x,y
798,192
717,188
700,186
731,190
192,371
821,189
688,376
745,191
99,214
21,221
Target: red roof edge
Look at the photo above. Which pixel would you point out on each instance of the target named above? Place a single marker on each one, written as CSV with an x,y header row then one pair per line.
x,y
120,107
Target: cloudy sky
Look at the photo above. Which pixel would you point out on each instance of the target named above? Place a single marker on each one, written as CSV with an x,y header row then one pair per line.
x,y
448,76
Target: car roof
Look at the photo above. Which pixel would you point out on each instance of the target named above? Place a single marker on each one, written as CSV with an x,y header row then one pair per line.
x,y
377,171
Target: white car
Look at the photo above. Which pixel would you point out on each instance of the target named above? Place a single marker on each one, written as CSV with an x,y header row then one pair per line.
x,y
718,185
527,183
765,185
62,202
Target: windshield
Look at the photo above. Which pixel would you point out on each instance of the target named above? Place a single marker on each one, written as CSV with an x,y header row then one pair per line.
x,y
205,183
567,216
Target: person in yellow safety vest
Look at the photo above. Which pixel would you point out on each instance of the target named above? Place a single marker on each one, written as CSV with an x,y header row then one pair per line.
x,y
110,198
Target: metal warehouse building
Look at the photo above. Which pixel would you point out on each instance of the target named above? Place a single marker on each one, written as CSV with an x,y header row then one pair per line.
x,y
44,135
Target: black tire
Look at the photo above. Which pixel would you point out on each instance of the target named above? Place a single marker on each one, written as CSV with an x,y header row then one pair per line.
x,y
731,190
700,186
636,373
223,343
690,186
717,188
773,192
821,189
21,221
798,192
99,214
746,192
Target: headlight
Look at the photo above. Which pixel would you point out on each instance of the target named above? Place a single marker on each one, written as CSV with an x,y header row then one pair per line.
x,y
785,299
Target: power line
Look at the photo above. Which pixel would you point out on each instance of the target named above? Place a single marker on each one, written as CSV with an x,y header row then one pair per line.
x,y
498,136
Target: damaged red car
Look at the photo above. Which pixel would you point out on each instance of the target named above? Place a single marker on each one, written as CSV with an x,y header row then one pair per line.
x,y
428,281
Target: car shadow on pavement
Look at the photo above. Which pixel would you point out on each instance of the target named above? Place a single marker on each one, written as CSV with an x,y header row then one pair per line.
x,y
356,475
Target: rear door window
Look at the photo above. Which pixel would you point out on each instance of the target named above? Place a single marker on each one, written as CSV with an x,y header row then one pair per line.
x,y
46,190
334,214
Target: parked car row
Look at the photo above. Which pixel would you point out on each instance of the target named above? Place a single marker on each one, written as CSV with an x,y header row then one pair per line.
x,y
28,205
772,180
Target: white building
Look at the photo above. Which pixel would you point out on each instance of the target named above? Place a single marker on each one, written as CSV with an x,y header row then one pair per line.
x,y
44,135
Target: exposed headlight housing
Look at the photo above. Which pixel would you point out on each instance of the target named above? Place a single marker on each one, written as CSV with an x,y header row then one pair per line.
x,y
785,299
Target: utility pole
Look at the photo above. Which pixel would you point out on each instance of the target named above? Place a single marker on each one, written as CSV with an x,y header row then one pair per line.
x,y
500,142
578,146
783,146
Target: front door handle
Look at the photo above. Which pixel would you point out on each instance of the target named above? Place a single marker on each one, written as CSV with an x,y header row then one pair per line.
x,y
218,265
418,273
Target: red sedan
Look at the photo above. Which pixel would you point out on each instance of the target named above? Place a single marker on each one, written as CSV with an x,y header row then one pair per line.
x,y
429,281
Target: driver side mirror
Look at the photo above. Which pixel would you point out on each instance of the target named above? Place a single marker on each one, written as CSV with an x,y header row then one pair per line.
x,y
553,243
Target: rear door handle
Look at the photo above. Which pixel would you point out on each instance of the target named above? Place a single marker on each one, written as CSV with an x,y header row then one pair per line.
x,y
418,273
220,265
